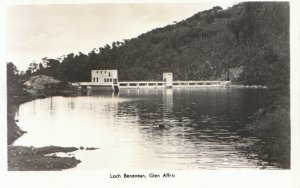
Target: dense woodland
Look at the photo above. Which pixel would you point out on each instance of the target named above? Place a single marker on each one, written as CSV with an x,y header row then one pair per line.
x,y
253,36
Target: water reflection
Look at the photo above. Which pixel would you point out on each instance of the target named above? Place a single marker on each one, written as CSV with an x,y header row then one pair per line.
x,y
150,129
168,101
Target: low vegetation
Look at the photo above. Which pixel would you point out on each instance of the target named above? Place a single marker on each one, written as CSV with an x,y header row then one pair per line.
x,y
272,123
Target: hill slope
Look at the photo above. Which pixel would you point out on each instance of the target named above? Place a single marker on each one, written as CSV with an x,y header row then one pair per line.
x,y
252,37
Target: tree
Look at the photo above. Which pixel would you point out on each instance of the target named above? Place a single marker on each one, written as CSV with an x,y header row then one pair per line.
x,y
52,64
13,85
114,45
41,67
217,8
33,67
45,62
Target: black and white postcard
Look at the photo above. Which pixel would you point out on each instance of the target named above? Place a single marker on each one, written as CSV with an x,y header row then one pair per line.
x,y
200,93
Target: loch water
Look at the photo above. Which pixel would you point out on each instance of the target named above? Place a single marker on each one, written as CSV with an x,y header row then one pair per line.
x,y
176,129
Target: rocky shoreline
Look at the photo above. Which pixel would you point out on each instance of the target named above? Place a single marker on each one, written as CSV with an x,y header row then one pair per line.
x,y
247,86
22,158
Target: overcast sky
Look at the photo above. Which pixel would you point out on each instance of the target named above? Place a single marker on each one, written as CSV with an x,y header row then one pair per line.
x,y
37,31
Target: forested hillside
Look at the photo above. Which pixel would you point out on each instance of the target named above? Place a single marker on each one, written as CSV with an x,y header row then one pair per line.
x,y
252,36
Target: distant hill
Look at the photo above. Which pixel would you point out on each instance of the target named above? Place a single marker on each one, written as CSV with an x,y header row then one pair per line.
x,y
247,43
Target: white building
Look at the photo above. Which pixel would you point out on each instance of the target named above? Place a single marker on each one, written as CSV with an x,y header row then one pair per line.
x,y
168,79
104,77
108,80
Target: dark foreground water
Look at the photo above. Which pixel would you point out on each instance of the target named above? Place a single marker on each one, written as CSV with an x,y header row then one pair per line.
x,y
151,129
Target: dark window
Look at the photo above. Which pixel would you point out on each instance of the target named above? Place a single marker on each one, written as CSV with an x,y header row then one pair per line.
x,y
123,84
132,84
97,79
160,84
93,79
109,74
151,84
110,80
142,84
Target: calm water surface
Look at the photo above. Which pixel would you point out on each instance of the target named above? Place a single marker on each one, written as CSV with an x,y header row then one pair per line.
x,y
204,128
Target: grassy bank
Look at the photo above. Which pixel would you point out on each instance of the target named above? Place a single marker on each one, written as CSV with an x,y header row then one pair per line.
x,y
273,124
